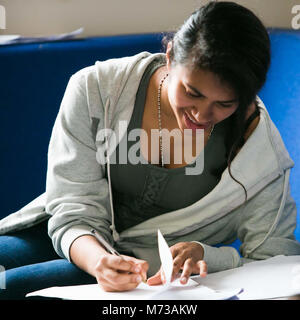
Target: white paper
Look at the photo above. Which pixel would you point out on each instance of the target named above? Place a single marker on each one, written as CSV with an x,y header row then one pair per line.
x,y
265,279
192,290
7,39
12,39
176,291
165,257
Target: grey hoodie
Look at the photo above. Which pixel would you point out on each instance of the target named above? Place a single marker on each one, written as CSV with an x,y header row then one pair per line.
x,y
78,195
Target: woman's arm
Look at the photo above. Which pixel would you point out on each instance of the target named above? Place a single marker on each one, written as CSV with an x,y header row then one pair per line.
x,y
267,224
264,230
77,194
85,252
76,187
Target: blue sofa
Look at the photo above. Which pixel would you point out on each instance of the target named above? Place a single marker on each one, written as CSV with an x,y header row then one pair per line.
x,y
34,78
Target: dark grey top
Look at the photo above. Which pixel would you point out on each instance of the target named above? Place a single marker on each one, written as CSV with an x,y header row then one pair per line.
x,y
142,191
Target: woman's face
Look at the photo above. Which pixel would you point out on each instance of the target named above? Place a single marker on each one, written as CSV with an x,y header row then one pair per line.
x,y
197,97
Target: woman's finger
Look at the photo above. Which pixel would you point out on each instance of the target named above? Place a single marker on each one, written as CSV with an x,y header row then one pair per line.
x,y
116,263
177,265
157,279
202,268
187,271
139,266
121,278
115,273
109,287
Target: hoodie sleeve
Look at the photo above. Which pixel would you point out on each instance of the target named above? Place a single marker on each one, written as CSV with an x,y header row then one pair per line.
x,y
265,227
76,187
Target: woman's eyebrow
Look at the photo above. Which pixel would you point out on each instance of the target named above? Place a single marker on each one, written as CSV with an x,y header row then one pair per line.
x,y
200,94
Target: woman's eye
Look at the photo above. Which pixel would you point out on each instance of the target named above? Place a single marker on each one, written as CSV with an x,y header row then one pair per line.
x,y
192,94
225,105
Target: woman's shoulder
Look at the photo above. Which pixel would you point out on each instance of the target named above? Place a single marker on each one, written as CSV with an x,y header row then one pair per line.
x,y
111,75
111,65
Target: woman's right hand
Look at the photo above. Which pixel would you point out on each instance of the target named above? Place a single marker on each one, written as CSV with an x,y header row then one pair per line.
x,y
114,273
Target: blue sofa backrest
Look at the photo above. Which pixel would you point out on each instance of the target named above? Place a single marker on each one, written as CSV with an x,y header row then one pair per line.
x,y
281,95
34,78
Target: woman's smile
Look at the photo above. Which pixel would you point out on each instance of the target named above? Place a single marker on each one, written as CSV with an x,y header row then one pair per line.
x,y
192,124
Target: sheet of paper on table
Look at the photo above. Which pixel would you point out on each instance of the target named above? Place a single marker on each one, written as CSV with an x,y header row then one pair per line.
x,y
170,291
266,279
271,278
191,291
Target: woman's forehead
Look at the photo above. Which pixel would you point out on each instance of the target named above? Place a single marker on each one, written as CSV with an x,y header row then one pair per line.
x,y
205,82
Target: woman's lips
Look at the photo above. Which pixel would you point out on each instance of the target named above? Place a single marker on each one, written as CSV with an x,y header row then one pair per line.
x,y
192,125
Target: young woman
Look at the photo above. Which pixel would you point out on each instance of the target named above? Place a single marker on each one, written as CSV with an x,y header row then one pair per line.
x,y
208,79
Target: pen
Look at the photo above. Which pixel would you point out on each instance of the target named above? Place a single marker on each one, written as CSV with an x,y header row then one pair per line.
x,y
106,245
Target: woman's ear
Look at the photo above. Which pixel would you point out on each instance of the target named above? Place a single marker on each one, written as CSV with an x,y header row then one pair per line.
x,y
168,55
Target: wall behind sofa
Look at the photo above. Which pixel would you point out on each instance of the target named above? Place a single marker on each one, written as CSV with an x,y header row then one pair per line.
x,y
102,17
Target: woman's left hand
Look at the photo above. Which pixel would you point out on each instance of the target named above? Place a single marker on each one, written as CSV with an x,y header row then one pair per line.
x,y
187,256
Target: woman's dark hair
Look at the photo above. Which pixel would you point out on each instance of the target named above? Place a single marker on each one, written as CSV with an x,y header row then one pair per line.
x,y
229,40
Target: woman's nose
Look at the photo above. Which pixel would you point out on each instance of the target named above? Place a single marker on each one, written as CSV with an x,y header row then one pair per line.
x,y
202,113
